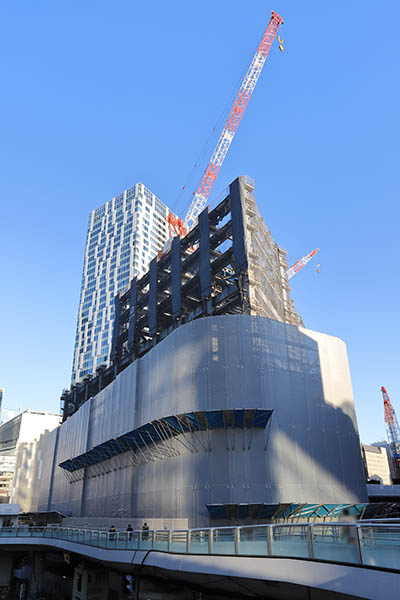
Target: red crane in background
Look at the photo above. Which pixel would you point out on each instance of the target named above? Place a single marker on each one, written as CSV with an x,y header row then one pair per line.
x,y
393,431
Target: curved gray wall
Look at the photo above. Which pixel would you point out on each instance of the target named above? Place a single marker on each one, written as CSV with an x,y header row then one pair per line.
x,y
310,453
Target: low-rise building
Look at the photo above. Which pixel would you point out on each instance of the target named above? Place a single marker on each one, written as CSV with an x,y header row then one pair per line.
x,y
15,434
376,464
9,515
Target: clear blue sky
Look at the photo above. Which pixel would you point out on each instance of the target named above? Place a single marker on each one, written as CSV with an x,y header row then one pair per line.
x,y
98,95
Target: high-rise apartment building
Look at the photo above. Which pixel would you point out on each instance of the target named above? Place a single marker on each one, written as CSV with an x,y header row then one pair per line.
x,y
123,236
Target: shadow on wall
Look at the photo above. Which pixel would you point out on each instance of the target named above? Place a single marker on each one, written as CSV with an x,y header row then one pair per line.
x,y
22,491
313,452
314,436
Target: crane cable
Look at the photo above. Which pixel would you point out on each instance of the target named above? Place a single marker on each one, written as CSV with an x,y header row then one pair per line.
x,y
215,129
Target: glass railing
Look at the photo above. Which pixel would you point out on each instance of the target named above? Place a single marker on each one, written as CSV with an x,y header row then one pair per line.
x,y
370,544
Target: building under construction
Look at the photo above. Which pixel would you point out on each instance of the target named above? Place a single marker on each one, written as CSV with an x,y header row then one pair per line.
x,y
227,264
218,405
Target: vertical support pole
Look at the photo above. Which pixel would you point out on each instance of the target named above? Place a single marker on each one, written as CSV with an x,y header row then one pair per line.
x,y
6,561
237,539
132,315
54,463
205,257
100,380
188,541
75,397
87,383
80,582
153,299
115,337
169,540
210,541
310,540
358,532
269,539
36,581
238,238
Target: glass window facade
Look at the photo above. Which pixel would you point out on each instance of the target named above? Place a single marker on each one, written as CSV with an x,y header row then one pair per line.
x,y
117,235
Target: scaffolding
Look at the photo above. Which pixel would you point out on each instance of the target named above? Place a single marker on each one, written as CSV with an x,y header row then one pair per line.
x,y
227,264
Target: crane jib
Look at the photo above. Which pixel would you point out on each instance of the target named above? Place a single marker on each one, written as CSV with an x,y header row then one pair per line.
x,y
239,106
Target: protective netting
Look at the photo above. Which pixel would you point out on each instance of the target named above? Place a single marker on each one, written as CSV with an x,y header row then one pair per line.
x,y
269,292
309,451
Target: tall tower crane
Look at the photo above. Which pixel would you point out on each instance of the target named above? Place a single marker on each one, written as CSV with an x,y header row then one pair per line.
x,y
239,106
393,431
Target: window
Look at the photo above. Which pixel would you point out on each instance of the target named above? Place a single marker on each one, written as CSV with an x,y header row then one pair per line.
x,y
160,207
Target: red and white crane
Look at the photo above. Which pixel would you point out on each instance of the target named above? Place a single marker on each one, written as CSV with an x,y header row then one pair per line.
x,y
180,227
239,106
393,431
300,264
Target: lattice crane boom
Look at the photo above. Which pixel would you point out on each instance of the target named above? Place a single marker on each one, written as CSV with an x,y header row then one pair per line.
x,y
393,430
300,264
239,106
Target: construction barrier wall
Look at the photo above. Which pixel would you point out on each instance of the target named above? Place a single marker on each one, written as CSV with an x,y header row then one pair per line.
x,y
308,452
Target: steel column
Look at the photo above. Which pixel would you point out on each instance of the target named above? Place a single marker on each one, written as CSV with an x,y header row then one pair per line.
x,y
132,315
153,298
176,278
205,258
238,244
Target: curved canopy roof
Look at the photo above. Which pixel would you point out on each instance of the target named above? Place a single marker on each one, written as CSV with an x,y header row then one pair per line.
x,y
158,431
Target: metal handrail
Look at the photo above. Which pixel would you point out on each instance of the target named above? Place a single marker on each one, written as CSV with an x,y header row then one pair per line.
x,y
354,543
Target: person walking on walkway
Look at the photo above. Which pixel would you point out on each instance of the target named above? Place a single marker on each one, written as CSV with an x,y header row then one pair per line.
x,y
145,531
348,531
111,532
129,529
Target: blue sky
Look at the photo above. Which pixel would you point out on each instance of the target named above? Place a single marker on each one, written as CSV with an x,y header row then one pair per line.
x,y
98,95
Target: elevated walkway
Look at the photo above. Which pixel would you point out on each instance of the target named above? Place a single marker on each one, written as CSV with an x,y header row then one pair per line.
x,y
361,561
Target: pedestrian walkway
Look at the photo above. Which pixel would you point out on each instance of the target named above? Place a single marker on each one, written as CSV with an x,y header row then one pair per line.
x,y
370,545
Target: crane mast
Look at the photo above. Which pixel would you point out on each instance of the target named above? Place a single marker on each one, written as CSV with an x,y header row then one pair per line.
x,y
393,431
239,106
